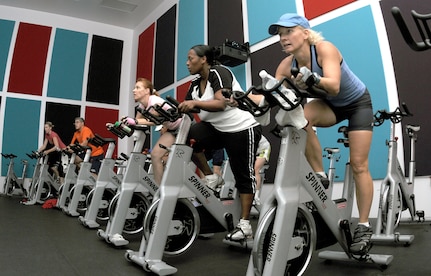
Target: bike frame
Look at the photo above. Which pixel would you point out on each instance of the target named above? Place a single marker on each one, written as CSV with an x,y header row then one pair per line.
x,y
69,180
107,178
134,180
394,179
37,188
180,181
85,178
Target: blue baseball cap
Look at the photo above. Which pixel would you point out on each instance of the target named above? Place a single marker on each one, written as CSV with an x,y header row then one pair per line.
x,y
289,20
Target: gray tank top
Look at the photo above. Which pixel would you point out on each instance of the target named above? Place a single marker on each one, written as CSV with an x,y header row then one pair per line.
x,y
351,87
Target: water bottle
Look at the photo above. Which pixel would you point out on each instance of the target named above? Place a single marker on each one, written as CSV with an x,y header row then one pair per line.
x,y
269,82
124,128
293,117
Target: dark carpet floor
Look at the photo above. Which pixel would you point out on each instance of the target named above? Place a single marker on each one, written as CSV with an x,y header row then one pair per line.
x,y
37,241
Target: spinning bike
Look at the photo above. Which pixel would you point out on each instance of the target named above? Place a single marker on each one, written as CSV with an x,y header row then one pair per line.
x,y
45,185
107,182
84,183
14,185
396,193
70,177
298,216
137,188
174,220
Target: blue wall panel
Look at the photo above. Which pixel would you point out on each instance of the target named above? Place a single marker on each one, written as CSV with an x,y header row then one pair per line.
x,y
6,30
190,31
67,65
20,130
261,14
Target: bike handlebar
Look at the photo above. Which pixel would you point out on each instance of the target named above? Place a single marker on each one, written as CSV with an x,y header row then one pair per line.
x,y
395,116
276,96
171,114
421,21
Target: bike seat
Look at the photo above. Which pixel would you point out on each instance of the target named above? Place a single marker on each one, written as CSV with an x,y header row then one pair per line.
x,y
331,150
414,128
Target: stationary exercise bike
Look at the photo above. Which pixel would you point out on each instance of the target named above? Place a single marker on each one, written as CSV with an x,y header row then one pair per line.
x,y
396,193
45,185
299,215
128,207
107,183
69,181
14,185
186,206
85,182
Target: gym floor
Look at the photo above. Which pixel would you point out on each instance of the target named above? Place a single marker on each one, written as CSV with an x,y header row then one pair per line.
x,y
37,241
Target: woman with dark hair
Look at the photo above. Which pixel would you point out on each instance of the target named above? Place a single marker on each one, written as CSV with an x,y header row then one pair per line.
x,y
222,125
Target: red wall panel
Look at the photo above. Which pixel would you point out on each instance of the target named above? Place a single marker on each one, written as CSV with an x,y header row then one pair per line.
x,y
96,119
145,54
29,59
315,8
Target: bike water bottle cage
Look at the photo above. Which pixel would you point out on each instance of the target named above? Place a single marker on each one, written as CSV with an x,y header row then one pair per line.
x,y
115,129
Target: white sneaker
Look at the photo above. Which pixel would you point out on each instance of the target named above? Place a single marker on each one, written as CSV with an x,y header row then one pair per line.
x,y
256,201
241,232
214,181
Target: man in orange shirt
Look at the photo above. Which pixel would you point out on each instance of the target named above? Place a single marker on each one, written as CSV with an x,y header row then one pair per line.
x,y
82,135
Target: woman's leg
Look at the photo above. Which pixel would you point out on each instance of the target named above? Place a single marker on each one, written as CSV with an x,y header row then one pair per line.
x,y
167,139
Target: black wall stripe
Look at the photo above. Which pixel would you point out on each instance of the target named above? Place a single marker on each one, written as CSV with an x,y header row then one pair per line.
x,y
105,70
165,49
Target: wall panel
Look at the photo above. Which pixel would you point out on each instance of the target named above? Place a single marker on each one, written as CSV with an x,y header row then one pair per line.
x,y
29,59
105,70
164,59
67,65
6,31
146,54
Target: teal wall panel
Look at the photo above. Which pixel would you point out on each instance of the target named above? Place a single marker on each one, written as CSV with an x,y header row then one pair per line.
x,y
261,14
67,65
190,31
6,30
20,130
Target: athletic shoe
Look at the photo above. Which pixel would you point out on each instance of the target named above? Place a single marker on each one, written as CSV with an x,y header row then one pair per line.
x,y
361,240
214,181
256,201
241,232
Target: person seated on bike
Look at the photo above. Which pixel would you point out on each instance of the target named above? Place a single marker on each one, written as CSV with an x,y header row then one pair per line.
x,y
52,146
262,158
81,136
145,94
322,65
222,126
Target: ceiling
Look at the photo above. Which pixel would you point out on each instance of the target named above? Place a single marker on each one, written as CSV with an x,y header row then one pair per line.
x,y
122,13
